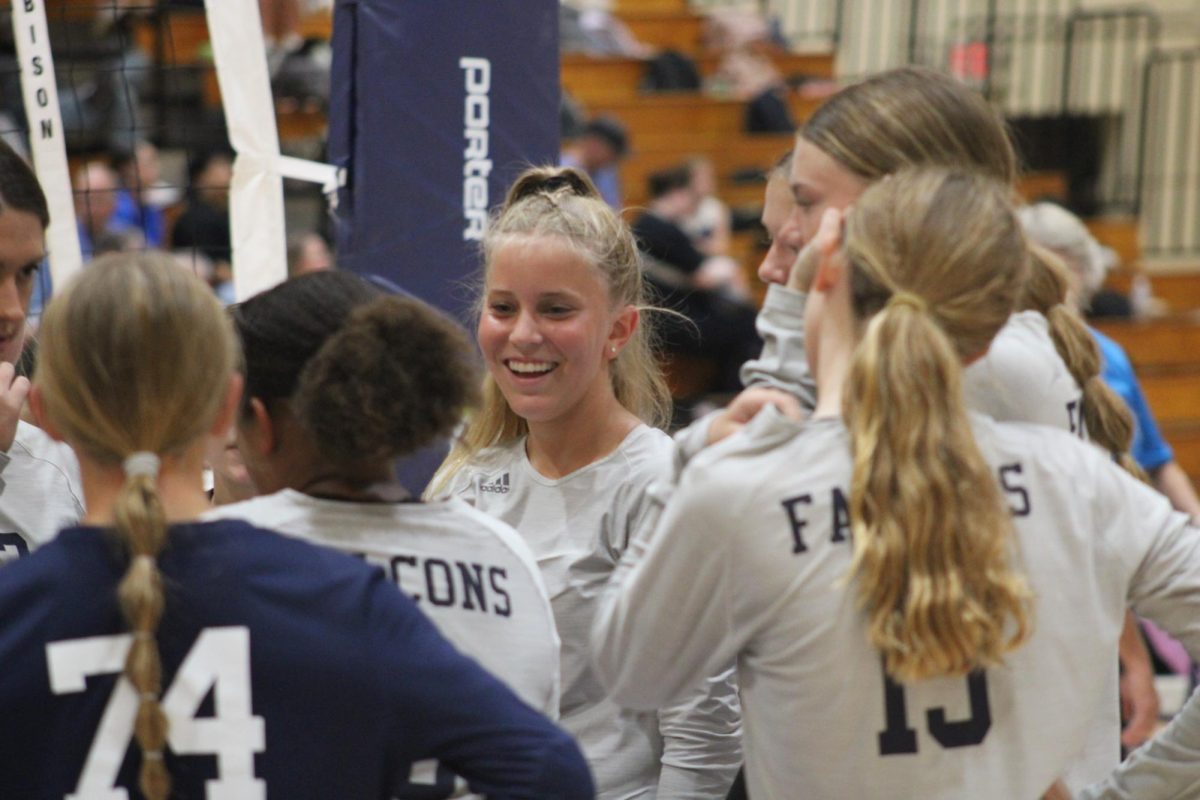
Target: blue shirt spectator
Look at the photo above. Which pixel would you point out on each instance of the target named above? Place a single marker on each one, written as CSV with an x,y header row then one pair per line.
x,y
1149,449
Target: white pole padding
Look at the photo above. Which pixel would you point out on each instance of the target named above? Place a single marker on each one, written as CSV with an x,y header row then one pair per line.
x,y
47,140
256,196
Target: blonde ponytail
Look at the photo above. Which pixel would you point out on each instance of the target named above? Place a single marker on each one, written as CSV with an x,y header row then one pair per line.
x,y
931,535
1106,418
935,258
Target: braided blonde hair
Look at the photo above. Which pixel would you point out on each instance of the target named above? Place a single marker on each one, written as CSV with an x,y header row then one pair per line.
x,y
120,372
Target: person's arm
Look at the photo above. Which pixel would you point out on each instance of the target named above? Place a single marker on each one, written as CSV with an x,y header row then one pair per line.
x,y
444,706
1171,480
640,651
1166,767
1139,699
783,363
702,741
1165,588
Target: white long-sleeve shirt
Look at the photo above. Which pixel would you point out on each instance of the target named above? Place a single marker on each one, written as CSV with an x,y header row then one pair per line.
x,y
578,526
746,563
1021,378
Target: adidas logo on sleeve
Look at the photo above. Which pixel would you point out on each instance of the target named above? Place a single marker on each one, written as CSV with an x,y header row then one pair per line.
x,y
498,486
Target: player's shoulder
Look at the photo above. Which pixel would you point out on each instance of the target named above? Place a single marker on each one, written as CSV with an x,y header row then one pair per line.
x,y
32,445
646,448
746,467
1023,341
771,435
42,570
265,511
474,528
1055,450
492,460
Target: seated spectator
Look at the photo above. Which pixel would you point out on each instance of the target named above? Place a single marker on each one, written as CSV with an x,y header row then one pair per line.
x,y
138,174
203,227
753,79
661,235
710,225
95,206
597,151
709,291
589,26
307,252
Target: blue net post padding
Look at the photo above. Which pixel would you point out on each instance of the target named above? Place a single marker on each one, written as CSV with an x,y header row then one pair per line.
x,y
435,108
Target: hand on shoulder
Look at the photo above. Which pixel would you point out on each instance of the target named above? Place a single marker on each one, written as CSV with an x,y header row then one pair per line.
x,y
747,405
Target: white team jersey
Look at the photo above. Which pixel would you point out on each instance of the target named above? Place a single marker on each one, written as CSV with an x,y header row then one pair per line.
x,y
40,492
578,527
470,574
747,562
1022,378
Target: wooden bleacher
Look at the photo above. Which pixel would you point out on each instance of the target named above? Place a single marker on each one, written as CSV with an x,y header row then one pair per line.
x,y
673,30
1166,358
591,79
183,38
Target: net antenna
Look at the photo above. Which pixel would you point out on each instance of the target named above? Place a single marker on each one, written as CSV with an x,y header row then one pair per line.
x,y
47,139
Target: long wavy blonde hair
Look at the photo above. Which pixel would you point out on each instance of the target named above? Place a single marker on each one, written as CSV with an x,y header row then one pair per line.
x,y
936,260
562,204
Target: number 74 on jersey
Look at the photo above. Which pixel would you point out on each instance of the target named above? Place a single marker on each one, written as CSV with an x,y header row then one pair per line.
x,y
219,661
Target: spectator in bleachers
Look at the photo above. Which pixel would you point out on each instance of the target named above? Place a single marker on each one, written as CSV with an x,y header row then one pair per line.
x,y
138,172
307,252
710,225
95,204
674,201
589,26
710,291
597,151
203,226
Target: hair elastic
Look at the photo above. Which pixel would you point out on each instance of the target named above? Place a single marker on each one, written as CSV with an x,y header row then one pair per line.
x,y
142,463
913,301
152,755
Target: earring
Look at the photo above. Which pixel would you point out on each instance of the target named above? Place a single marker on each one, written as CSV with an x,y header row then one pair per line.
x,y
614,349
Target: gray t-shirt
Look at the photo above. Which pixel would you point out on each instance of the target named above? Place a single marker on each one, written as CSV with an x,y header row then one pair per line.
x,y
578,527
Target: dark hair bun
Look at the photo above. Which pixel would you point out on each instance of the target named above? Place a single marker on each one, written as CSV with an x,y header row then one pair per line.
x,y
397,376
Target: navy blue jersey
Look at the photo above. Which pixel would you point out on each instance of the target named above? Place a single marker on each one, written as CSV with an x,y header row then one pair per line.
x,y
289,672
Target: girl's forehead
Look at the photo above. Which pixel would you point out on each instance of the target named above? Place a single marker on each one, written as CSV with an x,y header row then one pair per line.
x,y
540,258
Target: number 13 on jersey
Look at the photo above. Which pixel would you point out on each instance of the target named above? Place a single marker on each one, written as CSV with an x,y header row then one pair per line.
x,y
219,661
899,739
